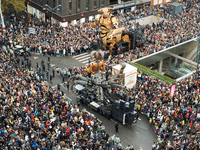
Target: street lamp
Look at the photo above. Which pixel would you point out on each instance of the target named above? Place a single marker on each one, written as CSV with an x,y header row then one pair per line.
x,y
52,10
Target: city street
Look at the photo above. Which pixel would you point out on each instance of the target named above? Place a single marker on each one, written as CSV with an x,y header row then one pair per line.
x,y
139,135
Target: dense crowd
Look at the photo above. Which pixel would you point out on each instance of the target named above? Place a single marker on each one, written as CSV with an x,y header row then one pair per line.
x,y
33,115
176,115
78,38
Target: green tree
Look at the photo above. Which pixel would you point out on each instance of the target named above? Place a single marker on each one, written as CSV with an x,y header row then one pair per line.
x,y
19,5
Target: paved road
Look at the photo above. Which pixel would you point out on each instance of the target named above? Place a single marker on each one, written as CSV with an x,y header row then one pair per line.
x,y
138,135
83,58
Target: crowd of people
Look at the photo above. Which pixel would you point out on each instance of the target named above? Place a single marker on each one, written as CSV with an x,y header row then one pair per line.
x,y
171,115
33,115
78,38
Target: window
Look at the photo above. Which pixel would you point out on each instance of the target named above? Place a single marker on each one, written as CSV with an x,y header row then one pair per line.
x,y
95,4
113,2
41,2
87,5
102,3
70,7
78,6
54,4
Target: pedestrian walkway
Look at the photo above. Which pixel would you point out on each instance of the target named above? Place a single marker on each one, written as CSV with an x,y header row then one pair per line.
x,y
83,58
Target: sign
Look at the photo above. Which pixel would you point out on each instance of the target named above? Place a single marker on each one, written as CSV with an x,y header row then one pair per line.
x,y
130,74
173,88
82,20
90,18
31,30
124,5
133,8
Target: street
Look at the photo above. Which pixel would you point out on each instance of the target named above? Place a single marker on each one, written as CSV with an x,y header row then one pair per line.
x,y
139,135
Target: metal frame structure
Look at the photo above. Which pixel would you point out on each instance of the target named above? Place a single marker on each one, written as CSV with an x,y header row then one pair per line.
x,y
198,56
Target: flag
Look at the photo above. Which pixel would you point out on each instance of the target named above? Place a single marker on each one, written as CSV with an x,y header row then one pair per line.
x,y
172,90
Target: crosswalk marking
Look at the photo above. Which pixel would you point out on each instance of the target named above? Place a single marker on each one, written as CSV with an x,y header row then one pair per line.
x,y
86,61
81,55
83,58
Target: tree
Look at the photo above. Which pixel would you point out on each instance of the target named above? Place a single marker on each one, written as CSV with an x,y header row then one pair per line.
x,y
19,5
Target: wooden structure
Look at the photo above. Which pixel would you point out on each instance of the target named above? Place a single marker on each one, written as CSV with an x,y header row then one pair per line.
x,y
108,35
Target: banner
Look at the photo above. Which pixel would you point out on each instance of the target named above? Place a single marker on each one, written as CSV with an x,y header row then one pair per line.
x,y
172,90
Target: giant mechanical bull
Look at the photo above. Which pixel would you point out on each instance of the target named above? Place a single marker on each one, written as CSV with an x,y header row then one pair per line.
x,y
111,36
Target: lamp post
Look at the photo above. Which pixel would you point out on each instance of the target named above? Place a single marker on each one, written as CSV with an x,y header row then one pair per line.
x,y
52,10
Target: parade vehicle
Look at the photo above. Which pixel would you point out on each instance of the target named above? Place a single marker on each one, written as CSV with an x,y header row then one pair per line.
x,y
96,92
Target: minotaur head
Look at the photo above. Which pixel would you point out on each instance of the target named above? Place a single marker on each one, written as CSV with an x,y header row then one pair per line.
x,y
105,11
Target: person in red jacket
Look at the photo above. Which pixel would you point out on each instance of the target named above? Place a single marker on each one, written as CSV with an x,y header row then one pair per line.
x,y
67,131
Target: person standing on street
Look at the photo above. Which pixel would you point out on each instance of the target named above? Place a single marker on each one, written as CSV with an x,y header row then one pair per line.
x,y
47,74
49,59
63,79
37,65
42,62
117,141
58,87
131,148
53,71
51,79
116,127
154,146
48,65
43,67
67,84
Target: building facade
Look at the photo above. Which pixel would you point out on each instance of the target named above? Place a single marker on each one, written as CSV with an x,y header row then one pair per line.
x,y
72,11
69,10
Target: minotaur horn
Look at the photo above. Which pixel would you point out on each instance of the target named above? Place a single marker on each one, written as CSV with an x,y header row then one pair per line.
x,y
100,11
110,9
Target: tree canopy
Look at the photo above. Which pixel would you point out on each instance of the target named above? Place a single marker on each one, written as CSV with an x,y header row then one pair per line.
x,y
19,5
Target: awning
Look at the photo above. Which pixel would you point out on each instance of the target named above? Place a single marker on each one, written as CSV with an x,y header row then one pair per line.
x,y
119,6
79,87
130,4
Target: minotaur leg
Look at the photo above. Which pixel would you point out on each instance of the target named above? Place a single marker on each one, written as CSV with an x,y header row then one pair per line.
x,y
125,38
104,40
111,47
